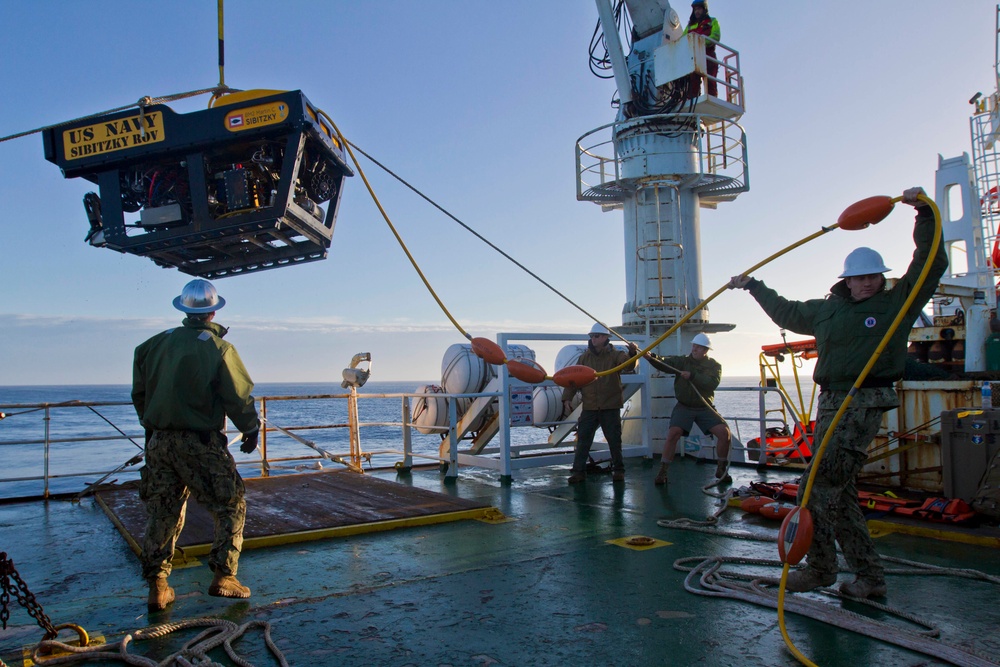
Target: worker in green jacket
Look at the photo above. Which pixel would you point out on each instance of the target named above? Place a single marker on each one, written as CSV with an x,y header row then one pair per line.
x,y
602,402
185,382
848,326
697,378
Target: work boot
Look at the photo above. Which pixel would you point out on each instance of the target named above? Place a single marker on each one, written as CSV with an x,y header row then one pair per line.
x,y
801,581
722,472
618,476
661,476
576,477
160,594
227,586
864,588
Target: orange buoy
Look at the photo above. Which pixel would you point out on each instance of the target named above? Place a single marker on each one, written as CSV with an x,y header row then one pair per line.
x,y
752,504
866,212
575,377
488,351
775,509
526,370
795,536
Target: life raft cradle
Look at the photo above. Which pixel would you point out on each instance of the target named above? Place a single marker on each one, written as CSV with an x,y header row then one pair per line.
x,y
935,510
234,188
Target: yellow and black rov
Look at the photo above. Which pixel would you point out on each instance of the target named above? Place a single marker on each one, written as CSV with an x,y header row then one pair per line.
x,y
251,183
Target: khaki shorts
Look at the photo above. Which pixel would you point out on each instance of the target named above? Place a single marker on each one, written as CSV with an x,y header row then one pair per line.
x,y
685,417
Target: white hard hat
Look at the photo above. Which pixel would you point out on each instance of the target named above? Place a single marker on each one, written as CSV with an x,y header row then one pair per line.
x,y
703,340
600,329
863,262
199,296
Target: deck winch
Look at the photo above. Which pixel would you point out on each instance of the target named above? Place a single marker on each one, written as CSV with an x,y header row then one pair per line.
x,y
251,183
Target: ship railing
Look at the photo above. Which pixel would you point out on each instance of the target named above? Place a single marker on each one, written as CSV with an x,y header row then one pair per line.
x,y
47,447
64,448
745,427
615,159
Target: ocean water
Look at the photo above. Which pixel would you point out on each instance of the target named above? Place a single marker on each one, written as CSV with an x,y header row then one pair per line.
x,y
100,444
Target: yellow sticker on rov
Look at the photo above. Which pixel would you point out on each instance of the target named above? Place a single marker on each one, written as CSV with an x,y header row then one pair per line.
x,y
258,116
113,135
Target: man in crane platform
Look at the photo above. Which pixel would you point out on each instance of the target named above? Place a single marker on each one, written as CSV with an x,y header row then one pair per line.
x,y
698,376
185,382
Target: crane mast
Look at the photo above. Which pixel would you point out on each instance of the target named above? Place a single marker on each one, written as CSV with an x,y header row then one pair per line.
x,y
674,148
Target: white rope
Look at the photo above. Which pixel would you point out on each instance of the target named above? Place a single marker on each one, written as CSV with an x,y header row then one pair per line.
x,y
218,632
708,579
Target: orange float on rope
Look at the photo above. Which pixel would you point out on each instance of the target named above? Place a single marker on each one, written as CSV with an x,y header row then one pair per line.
x,y
526,370
866,212
775,509
575,377
752,504
488,351
795,536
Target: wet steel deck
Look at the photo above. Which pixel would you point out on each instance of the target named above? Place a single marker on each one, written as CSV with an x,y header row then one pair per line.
x,y
545,588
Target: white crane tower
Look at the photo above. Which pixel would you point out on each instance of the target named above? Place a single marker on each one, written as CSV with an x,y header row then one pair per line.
x,y
674,148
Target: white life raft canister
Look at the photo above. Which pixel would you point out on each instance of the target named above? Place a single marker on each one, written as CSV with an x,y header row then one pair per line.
x,y
429,410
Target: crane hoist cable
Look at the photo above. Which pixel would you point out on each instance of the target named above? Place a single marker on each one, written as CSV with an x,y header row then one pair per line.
x,y
148,100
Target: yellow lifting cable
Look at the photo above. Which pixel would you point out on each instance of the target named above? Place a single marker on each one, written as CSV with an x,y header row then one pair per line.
x,y
818,455
392,228
690,314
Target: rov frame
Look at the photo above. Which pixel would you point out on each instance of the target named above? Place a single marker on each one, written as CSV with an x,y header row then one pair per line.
x,y
232,189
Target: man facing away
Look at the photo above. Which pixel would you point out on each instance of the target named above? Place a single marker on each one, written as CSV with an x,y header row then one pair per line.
x,y
698,376
602,403
185,382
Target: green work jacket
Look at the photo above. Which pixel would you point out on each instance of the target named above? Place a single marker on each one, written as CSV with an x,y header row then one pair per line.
x,y
189,379
847,331
705,378
605,392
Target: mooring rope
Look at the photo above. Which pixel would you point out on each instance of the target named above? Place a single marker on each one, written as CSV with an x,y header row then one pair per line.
x,y
707,578
218,632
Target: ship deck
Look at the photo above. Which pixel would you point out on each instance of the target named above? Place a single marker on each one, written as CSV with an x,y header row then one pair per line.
x,y
552,584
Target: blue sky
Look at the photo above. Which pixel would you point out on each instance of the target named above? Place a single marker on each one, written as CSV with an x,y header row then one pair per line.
x,y
478,104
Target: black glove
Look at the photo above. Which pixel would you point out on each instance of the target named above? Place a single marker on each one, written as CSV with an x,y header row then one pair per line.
x,y
250,441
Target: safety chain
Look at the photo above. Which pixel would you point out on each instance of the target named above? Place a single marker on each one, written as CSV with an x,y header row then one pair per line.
x,y
23,595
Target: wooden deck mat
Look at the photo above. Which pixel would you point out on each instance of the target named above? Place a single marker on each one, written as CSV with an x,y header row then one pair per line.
x,y
302,507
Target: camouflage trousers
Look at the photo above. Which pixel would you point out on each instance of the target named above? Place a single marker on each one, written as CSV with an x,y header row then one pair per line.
x,y
179,464
833,501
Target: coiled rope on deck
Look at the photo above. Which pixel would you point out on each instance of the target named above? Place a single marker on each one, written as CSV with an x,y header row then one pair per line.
x,y
707,578
218,632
